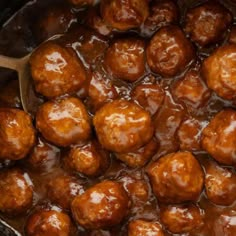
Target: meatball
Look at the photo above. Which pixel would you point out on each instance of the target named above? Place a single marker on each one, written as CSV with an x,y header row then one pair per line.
x,y
64,121
53,20
100,91
48,222
169,51
218,71
191,89
219,137
141,156
81,2
125,59
144,228
89,159
125,14
207,23
17,135
122,126
149,96
181,218
189,134
103,205
56,70
16,191
162,13
62,189
176,178
44,156
220,184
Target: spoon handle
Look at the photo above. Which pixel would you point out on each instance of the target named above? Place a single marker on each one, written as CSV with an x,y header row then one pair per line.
x,y
9,62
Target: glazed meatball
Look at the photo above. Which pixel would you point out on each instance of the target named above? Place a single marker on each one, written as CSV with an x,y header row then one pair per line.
x,y
141,156
101,91
191,89
17,135
16,192
144,228
169,51
48,222
189,134
44,156
181,218
219,137
125,14
207,23
54,20
103,205
62,189
162,13
56,70
149,96
122,126
220,184
218,71
89,159
64,121
125,59
176,178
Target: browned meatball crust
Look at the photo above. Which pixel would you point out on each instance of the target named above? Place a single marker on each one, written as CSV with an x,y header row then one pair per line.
x,y
17,135
144,228
220,184
181,218
123,126
124,14
89,159
82,2
56,70
125,59
62,189
16,192
141,156
207,23
103,205
219,137
176,178
219,73
149,96
169,51
64,121
48,222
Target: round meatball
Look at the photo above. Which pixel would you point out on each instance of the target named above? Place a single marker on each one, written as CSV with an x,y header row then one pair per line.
x,y
16,191
63,121
123,126
103,205
191,89
162,13
48,222
169,51
144,228
44,157
89,159
176,178
56,70
182,218
125,14
149,96
219,137
56,19
207,23
220,184
219,73
125,59
141,156
62,189
17,135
